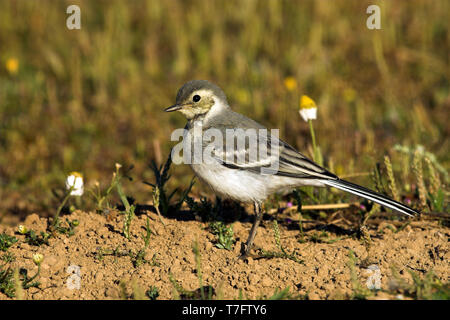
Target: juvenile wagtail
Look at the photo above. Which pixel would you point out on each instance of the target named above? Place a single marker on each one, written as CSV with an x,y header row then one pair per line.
x,y
205,104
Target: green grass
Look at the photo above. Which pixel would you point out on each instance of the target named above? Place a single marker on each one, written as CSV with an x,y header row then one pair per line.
x,y
152,293
161,197
11,283
224,234
359,292
37,240
6,241
428,287
139,258
281,252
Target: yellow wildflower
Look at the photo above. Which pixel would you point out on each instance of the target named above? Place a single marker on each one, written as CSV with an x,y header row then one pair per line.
x,y
290,83
38,258
12,65
308,108
22,229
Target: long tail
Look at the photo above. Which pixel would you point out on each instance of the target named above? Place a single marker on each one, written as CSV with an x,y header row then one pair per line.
x,y
371,195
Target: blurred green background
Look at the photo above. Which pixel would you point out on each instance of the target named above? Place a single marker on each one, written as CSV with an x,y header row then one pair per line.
x,y
82,100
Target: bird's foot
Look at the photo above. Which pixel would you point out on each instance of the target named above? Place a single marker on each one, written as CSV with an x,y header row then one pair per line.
x,y
245,251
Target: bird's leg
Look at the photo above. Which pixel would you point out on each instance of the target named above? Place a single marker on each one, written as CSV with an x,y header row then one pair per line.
x,y
219,206
245,249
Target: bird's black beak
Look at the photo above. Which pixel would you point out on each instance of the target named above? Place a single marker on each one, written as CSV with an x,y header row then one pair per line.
x,y
175,107
178,106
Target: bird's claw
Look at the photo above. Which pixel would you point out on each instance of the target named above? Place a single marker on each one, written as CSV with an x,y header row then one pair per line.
x,y
244,252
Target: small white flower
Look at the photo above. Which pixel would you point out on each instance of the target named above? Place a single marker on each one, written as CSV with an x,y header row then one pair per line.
x,y
308,108
75,181
308,114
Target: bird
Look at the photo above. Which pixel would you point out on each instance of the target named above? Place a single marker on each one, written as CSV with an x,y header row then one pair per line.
x,y
206,107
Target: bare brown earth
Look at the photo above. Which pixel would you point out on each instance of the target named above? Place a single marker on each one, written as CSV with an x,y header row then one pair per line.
x,y
323,274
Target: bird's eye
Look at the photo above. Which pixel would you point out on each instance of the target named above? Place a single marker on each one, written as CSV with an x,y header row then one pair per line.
x,y
196,98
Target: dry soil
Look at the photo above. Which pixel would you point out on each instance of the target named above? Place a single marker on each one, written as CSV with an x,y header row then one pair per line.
x,y
324,273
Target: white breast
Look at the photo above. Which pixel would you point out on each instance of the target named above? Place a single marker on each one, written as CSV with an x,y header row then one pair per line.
x,y
234,184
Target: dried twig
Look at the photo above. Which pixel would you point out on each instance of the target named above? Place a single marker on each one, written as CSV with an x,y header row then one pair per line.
x,y
326,206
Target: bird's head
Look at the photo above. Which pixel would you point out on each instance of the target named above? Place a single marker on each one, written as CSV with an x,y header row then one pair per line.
x,y
197,97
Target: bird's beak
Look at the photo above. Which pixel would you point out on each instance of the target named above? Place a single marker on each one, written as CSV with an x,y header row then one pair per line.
x,y
176,107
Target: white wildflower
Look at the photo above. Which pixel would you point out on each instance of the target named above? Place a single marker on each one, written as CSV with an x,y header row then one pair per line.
x,y
75,182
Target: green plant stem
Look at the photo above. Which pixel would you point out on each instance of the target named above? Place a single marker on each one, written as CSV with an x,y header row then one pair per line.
x,y
313,137
58,211
123,198
27,282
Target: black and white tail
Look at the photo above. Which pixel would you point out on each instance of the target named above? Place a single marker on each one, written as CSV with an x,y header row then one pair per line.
x,y
371,195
